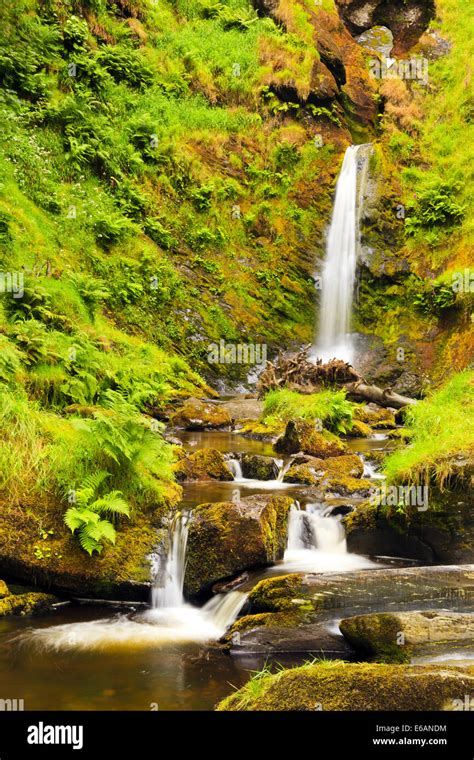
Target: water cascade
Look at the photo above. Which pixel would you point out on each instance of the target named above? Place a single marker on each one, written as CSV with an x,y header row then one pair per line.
x,y
339,270
167,589
317,542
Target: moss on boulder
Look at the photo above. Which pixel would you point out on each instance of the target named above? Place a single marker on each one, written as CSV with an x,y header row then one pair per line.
x,y
375,416
392,636
359,429
313,470
228,537
196,414
26,604
3,589
302,435
259,467
204,464
335,685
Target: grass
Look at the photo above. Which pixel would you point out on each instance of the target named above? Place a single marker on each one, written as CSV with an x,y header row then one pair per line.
x,y
331,407
442,429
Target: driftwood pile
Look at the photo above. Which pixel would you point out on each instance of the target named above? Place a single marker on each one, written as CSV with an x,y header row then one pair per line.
x,y
298,373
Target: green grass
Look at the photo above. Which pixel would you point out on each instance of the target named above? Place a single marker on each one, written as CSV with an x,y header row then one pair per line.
x,y
331,407
442,428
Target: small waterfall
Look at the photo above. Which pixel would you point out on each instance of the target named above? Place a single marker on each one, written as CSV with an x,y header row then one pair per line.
x,y
283,469
223,609
167,589
236,469
317,542
338,276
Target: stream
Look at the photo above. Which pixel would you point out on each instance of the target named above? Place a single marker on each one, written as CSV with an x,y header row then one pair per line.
x,y
167,656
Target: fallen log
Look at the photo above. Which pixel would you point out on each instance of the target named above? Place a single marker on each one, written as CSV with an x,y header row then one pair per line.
x,y
359,391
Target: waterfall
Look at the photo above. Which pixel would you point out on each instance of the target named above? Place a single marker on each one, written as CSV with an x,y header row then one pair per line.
x,y
317,542
236,468
167,589
338,276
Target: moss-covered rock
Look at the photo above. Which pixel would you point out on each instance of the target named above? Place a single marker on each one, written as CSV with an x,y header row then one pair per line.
x,y
204,464
26,604
375,416
302,435
196,414
3,589
228,537
338,685
392,636
308,474
342,485
359,429
259,467
315,471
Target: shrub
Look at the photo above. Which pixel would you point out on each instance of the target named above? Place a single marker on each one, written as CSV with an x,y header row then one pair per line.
x,y
331,407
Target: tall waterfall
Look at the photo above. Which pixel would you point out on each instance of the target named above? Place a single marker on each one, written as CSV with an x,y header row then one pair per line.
x,y
338,275
167,589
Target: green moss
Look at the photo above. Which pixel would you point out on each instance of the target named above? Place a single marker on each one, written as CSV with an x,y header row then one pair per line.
x,y
3,589
279,594
25,604
203,464
335,685
378,636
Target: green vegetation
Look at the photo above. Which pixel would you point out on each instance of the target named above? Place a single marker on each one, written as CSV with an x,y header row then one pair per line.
x,y
442,429
330,407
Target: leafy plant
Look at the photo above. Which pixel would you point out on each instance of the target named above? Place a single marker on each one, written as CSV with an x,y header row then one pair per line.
x,y
86,516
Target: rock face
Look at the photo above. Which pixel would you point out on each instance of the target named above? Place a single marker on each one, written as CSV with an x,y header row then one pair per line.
x,y
392,636
204,464
406,19
228,537
259,467
357,686
301,436
196,414
441,535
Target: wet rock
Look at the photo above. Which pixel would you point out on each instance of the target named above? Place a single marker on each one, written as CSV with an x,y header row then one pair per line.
x,y
204,464
406,19
393,636
357,686
328,473
375,416
26,604
443,534
452,584
229,537
3,589
243,409
196,414
307,474
225,587
259,467
346,486
302,435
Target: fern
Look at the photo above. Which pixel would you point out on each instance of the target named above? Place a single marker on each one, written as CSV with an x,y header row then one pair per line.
x,y
85,516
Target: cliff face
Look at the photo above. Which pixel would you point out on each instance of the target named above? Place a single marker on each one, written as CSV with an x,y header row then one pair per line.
x,y
179,161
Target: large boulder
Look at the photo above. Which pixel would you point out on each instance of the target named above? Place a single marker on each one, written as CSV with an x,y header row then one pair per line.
x,y
196,414
204,464
228,537
339,474
356,686
302,436
392,636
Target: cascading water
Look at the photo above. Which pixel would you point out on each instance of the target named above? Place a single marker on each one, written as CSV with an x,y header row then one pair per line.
x,y
317,542
338,276
167,589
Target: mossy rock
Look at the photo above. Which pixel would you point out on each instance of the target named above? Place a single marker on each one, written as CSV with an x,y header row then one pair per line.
x,y
313,470
343,485
359,429
307,474
204,464
259,467
282,594
336,685
3,589
26,604
375,416
228,537
196,414
301,435
392,636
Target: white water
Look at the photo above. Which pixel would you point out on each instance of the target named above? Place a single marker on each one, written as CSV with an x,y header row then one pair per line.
x,y
338,276
170,620
371,472
318,544
272,485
